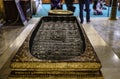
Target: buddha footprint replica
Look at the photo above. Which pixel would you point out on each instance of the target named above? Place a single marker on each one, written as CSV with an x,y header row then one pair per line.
x,y
57,48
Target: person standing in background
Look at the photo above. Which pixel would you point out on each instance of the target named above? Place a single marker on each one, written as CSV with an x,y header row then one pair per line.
x,y
56,4
69,5
85,3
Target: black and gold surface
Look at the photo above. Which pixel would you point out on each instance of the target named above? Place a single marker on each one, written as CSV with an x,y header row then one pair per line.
x,y
81,62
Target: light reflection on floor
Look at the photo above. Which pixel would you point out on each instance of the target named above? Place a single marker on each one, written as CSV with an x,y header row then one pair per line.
x,y
110,31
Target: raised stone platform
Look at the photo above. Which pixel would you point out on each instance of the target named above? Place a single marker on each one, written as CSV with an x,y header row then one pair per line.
x,y
25,65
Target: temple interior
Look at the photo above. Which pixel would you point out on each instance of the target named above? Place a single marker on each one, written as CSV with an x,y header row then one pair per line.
x,y
39,43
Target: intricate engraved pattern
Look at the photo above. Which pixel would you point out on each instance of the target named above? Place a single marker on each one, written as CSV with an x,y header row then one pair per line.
x,y
23,54
84,66
57,41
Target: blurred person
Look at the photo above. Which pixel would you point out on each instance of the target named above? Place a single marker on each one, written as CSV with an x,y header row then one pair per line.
x,y
97,7
69,5
86,4
56,4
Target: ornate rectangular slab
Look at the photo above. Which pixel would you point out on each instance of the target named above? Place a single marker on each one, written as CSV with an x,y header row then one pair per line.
x,y
57,45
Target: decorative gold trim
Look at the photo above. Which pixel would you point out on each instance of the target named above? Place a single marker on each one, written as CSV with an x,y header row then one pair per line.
x,y
61,65
56,78
60,12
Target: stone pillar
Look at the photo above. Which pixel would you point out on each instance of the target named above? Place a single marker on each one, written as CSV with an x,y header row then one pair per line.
x,y
113,10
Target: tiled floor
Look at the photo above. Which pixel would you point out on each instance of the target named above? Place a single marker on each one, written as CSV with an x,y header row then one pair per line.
x,y
97,28
11,38
110,31
7,37
103,27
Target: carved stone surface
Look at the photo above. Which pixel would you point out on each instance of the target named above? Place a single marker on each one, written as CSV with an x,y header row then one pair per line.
x,y
88,54
57,41
84,63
